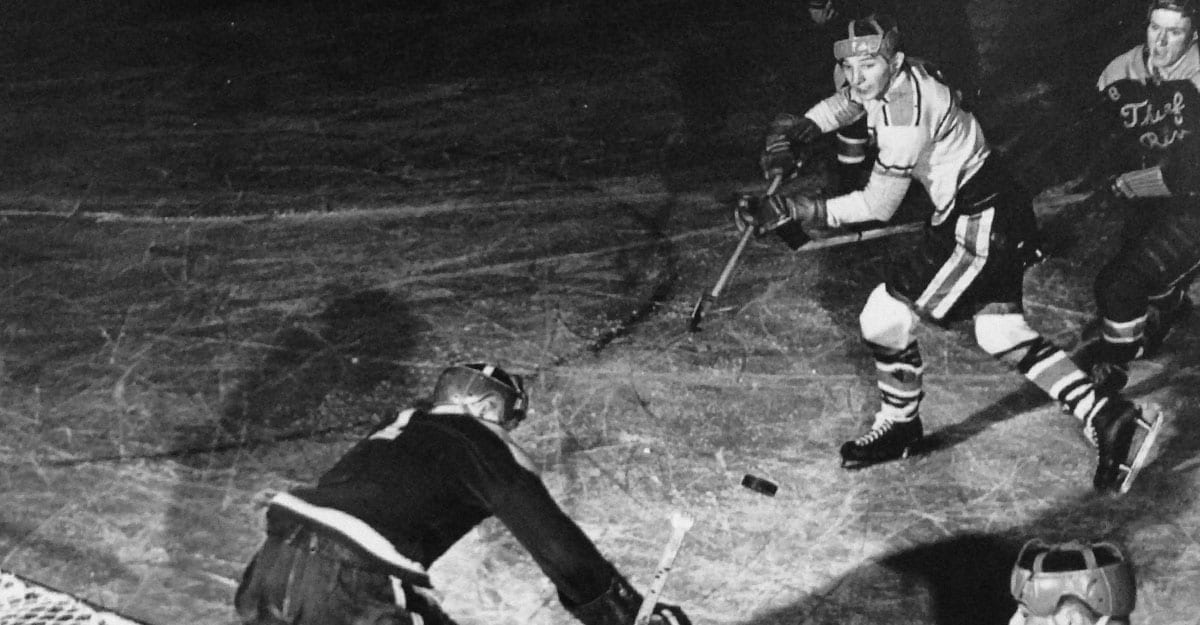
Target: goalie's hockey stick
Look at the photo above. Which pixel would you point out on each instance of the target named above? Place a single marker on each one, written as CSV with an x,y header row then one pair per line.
x,y
680,524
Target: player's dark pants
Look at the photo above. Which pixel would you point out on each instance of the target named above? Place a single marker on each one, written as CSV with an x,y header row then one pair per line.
x,y
977,257
1157,261
300,577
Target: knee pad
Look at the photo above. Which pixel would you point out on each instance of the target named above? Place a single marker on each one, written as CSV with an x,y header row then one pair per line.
x,y
886,321
999,333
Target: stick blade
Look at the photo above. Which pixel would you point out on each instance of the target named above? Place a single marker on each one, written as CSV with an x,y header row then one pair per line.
x,y
682,521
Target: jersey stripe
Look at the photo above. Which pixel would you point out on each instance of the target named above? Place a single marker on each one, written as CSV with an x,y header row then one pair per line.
x,y
956,275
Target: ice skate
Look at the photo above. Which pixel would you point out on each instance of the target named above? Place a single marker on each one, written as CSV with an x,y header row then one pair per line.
x,y
887,439
1124,434
1108,376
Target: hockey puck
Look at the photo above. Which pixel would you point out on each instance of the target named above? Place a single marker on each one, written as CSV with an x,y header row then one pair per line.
x,y
760,485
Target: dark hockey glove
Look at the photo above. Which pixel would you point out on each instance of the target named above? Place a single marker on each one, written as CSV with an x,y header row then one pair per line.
x,y
786,217
761,214
666,614
785,136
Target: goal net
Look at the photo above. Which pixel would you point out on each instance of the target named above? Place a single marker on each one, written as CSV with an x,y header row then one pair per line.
x,y
23,602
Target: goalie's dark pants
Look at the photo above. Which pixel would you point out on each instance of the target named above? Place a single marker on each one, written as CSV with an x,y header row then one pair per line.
x,y
1157,261
301,577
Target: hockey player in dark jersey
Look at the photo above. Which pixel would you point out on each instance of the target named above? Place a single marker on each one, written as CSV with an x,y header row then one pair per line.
x,y
970,263
354,548
1151,101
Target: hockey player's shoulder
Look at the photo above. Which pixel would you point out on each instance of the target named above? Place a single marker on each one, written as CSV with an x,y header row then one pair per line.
x,y
1190,66
902,99
1131,65
479,436
916,96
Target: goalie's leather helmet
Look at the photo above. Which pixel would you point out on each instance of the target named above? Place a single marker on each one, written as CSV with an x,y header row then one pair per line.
x,y
1098,574
1188,8
474,381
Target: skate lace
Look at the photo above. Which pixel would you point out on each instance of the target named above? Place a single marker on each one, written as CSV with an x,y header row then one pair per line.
x,y
883,424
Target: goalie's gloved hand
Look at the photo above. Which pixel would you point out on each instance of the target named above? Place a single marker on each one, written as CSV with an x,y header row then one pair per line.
x,y
666,614
785,135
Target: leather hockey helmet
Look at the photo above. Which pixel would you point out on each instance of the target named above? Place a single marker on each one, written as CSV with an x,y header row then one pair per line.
x,y
1188,8
470,382
1098,574
874,34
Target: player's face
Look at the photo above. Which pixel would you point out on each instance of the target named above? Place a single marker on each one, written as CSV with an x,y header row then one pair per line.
x,y
869,74
1168,36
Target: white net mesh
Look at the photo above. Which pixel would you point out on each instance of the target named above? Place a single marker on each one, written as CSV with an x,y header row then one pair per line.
x,y
23,602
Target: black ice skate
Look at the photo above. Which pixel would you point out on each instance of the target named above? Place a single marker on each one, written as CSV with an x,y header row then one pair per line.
x,y
1108,375
1115,430
887,440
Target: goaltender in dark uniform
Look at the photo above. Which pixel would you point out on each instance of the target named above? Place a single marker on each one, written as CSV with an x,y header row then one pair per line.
x,y
355,548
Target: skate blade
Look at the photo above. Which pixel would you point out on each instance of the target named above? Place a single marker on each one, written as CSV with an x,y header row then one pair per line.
x,y
1151,421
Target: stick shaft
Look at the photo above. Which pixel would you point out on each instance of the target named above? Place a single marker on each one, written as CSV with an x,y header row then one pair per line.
x,y
731,264
855,237
741,246
680,525
707,298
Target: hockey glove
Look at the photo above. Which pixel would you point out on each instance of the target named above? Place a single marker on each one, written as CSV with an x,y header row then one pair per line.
x,y
765,214
785,136
1140,183
761,214
666,614
807,211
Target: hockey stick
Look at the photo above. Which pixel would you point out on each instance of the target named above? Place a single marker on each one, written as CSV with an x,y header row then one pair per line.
x,y
816,244
708,297
680,524
865,235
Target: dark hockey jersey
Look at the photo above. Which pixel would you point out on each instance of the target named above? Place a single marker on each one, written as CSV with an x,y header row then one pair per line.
x,y
415,486
1157,113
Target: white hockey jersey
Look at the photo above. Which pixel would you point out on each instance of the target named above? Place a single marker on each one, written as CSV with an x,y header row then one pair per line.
x,y
922,133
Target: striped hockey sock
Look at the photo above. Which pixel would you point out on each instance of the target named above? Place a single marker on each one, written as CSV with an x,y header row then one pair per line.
x,y
899,377
1051,370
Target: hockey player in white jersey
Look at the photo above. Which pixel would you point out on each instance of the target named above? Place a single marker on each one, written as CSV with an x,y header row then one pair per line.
x,y
977,243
